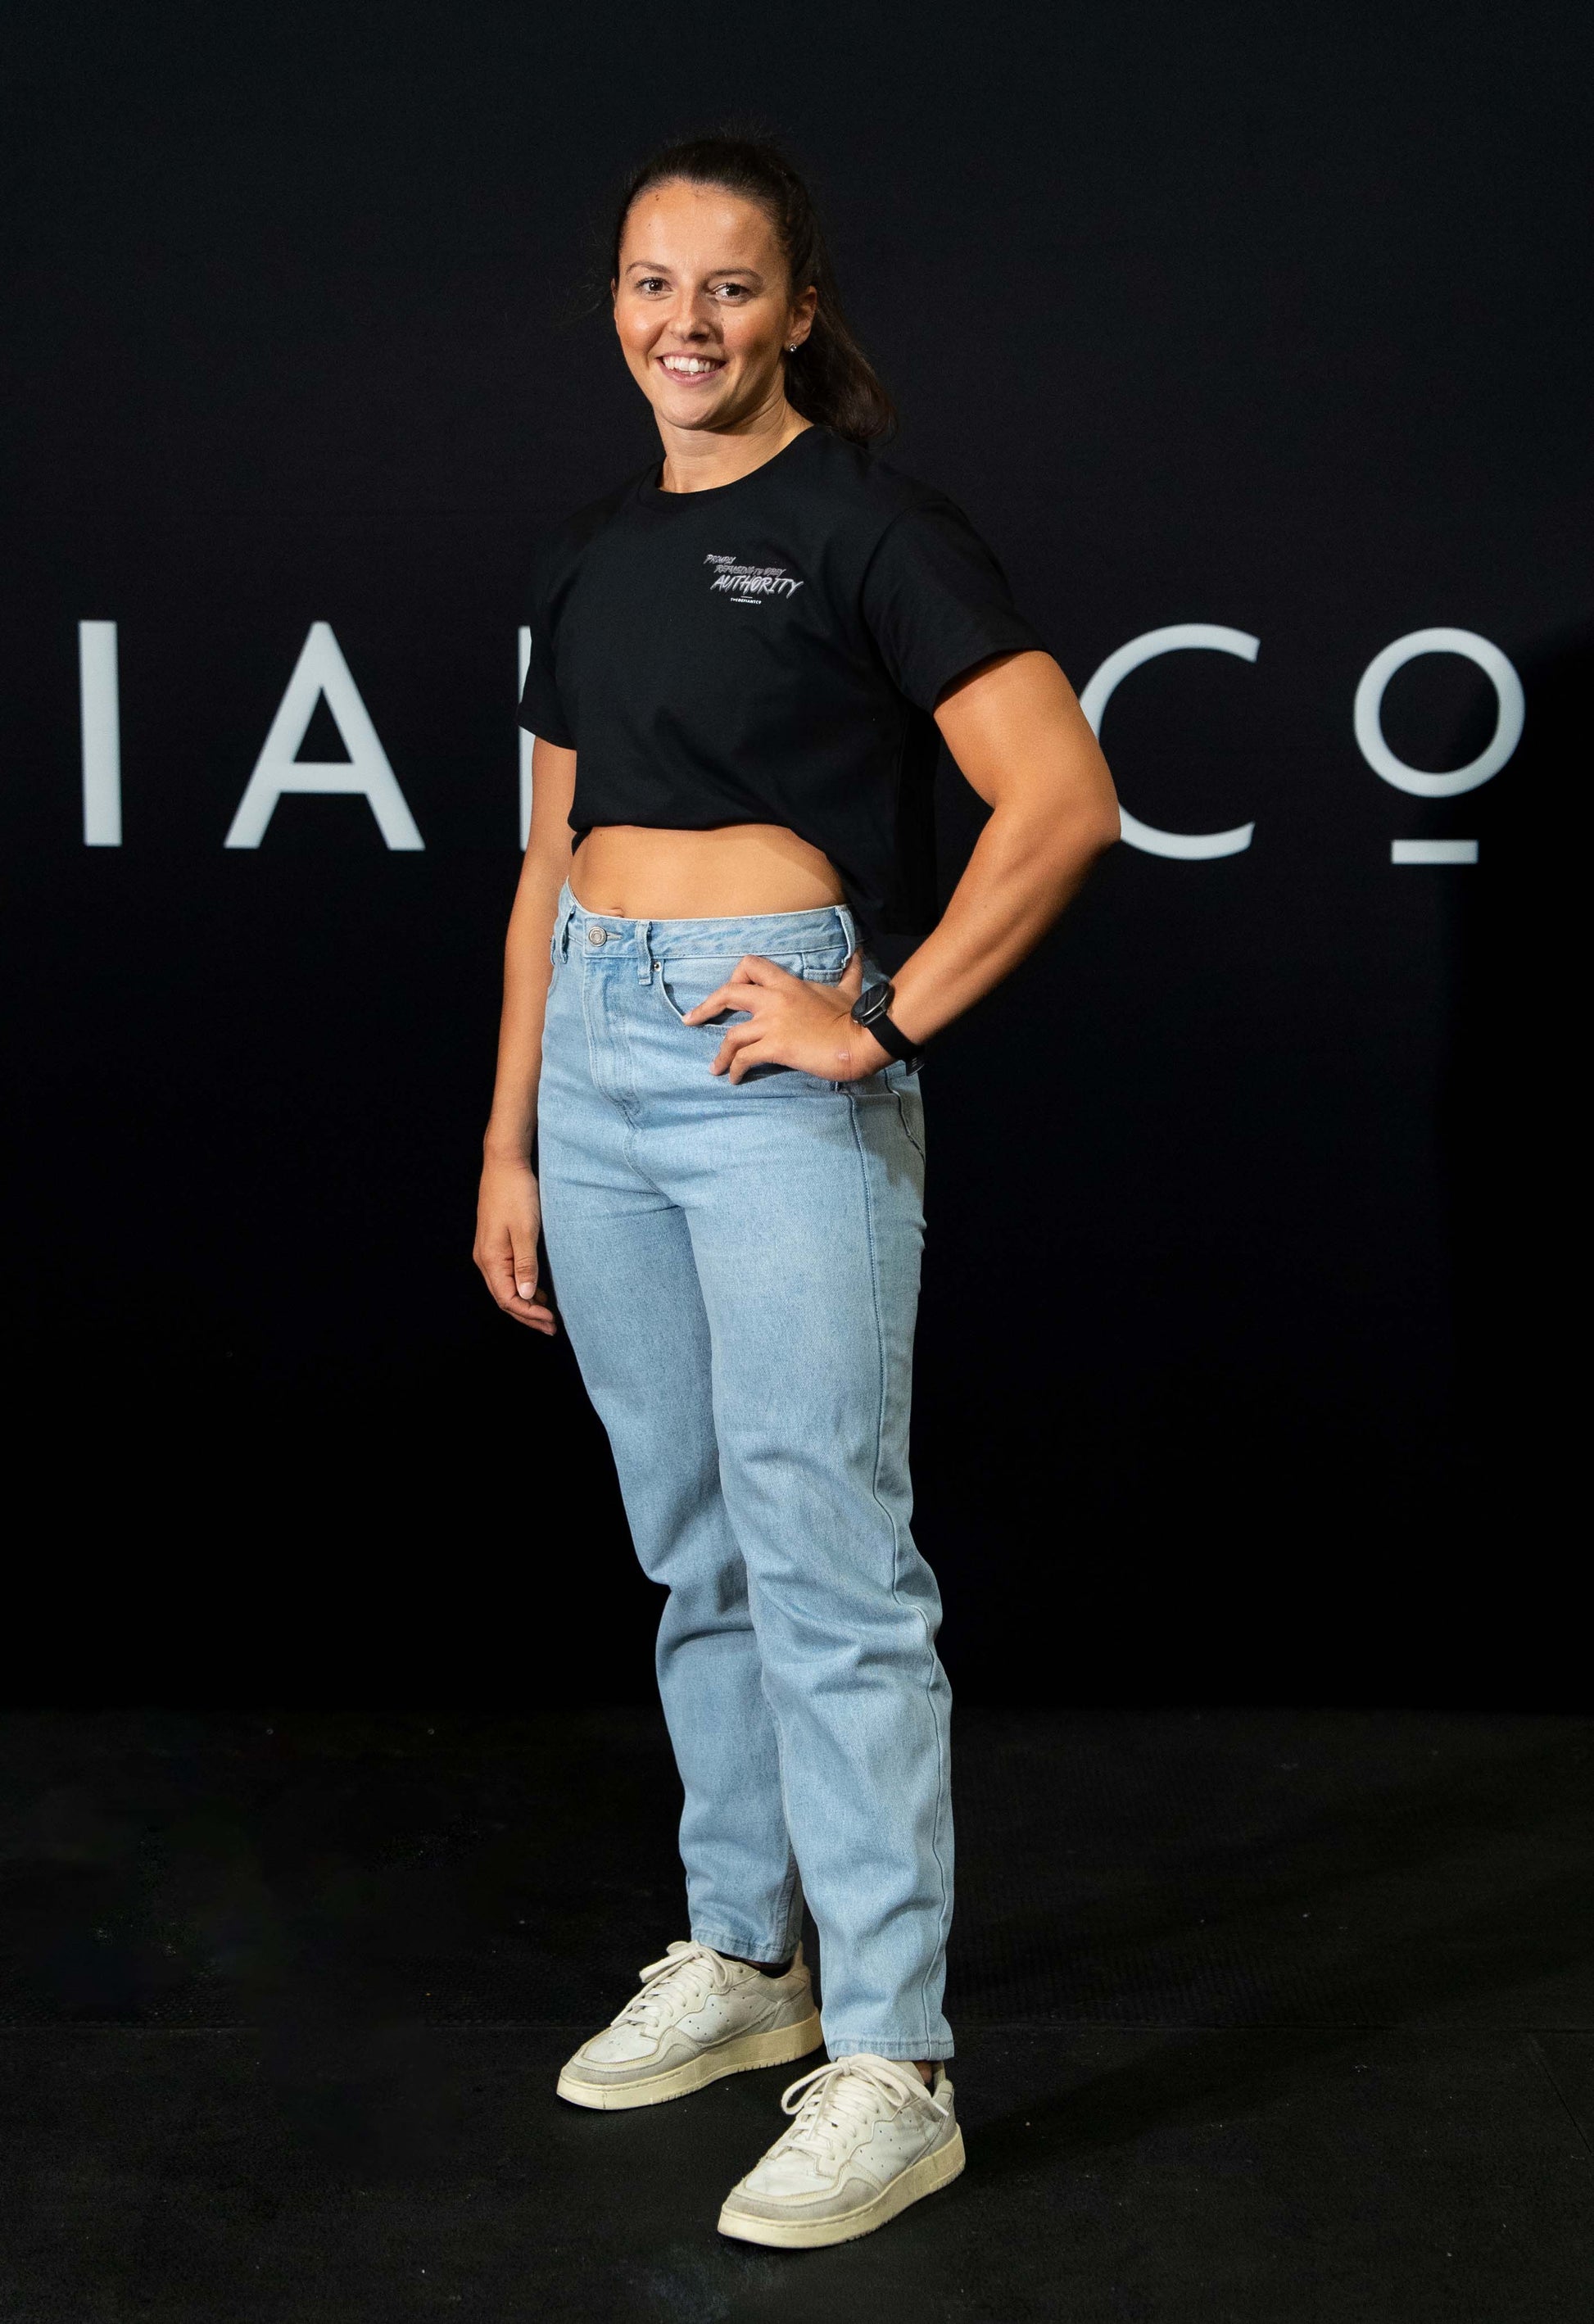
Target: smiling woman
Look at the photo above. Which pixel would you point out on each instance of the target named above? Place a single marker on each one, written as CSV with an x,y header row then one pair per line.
x,y
824,374
704,306
744,663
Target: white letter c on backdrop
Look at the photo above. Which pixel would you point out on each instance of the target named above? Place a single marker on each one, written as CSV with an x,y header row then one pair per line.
x,y
1184,846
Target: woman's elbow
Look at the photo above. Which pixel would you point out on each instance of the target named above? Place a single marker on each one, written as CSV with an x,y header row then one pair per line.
x,y
1109,828
1095,825
1062,827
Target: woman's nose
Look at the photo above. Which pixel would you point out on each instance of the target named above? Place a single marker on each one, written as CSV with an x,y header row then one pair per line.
x,y
690,321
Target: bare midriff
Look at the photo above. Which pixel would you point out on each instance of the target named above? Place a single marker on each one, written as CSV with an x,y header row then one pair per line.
x,y
741,869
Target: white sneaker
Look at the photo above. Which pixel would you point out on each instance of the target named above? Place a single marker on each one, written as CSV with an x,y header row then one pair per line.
x,y
869,2139
697,2016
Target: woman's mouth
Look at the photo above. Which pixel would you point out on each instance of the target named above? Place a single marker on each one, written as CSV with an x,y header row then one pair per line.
x,y
692,370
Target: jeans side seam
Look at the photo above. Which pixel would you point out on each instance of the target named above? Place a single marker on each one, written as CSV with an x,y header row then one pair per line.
x,y
879,1442
793,1873
792,1868
789,1887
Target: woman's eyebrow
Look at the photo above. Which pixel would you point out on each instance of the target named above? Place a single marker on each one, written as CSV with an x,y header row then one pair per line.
x,y
658,266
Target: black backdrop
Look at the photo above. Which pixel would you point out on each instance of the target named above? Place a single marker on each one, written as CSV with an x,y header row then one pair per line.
x,y
1251,1212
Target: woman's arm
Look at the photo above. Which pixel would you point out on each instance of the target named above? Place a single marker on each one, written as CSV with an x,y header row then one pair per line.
x,y
509,1212
1021,739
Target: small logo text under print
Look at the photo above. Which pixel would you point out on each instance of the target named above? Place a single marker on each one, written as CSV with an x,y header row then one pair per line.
x,y
750,585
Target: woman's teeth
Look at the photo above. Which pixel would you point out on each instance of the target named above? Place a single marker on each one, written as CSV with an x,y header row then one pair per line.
x,y
688,366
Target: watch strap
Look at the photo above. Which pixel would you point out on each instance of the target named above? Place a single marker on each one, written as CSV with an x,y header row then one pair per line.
x,y
870,1009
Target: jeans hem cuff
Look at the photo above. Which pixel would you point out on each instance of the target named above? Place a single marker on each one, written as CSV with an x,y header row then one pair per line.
x,y
772,1956
842,2045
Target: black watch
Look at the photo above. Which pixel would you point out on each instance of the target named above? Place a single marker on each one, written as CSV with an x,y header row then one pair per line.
x,y
870,1011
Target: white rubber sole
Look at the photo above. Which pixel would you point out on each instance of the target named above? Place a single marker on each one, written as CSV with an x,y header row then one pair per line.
x,y
925,2177
780,2046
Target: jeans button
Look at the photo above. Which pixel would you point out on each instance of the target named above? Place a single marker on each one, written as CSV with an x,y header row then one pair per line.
x,y
597,935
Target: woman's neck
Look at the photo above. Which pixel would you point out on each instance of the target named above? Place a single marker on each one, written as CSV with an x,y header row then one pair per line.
x,y
697,459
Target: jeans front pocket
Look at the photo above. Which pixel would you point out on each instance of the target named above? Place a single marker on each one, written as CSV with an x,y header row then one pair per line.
x,y
684,984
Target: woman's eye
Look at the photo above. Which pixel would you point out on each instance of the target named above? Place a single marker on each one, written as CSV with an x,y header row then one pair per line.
x,y
733,291
652,283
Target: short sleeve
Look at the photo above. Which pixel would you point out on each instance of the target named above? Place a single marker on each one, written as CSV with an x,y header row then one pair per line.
x,y
937,603
541,711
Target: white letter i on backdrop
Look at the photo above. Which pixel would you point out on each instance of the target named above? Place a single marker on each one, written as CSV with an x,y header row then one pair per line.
x,y
100,711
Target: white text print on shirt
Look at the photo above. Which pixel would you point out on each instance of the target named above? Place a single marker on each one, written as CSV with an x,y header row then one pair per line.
x,y
750,585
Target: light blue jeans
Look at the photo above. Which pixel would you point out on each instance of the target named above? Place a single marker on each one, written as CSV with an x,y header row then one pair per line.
x,y
738,1269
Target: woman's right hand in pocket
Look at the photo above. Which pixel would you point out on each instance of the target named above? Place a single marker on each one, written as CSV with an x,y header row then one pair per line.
x,y
508,1218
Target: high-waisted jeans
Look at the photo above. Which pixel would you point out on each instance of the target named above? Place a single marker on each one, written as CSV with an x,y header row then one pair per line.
x,y
738,1269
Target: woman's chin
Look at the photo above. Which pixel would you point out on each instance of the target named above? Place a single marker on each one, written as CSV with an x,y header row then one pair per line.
x,y
695,408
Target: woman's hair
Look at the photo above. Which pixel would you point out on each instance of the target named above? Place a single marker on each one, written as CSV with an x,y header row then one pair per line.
x,y
829,380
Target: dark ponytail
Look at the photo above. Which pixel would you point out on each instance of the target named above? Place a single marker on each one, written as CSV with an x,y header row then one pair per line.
x,y
829,380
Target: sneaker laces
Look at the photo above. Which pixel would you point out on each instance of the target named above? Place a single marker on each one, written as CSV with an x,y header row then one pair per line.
x,y
841,2101
687,1975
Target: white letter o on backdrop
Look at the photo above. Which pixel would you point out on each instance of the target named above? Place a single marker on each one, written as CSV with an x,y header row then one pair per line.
x,y
1369,704
1184,846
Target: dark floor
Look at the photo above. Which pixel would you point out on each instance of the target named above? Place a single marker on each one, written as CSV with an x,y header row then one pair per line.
x,y
1272,2015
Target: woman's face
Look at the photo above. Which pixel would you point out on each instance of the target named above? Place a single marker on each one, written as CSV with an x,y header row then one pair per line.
x,y
703,306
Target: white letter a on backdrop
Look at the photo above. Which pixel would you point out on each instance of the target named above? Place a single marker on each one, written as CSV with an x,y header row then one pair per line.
x,y
319,670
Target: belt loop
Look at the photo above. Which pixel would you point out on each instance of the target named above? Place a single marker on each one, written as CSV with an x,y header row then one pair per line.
x,y
849,928
644,951
567,905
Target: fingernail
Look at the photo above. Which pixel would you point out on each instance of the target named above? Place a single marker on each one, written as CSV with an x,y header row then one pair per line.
x,y
524,1290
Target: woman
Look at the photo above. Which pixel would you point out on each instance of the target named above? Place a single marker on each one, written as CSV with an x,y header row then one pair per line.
x,y
740,663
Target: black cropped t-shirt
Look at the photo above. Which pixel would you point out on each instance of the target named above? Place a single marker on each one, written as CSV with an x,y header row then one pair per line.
x,y
770,651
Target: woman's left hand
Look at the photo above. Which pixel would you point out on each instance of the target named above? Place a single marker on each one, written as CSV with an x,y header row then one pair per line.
x,y
790,1022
